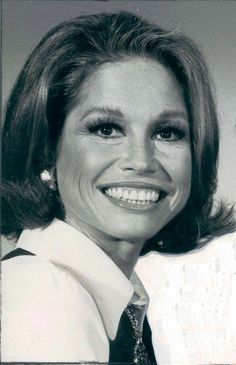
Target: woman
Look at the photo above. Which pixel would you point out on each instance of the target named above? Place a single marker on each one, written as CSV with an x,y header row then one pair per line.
x,y
110,146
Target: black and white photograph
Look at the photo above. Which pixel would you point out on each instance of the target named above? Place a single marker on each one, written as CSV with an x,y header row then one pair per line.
x,y
118,182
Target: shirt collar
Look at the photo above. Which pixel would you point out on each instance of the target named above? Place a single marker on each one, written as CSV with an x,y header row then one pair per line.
x,y
67,247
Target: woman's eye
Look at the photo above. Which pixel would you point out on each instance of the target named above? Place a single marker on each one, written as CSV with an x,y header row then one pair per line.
x,y
107,130
169,134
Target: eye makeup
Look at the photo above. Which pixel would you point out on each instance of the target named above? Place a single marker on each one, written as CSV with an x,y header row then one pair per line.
x,y
108,126
170,132
105,127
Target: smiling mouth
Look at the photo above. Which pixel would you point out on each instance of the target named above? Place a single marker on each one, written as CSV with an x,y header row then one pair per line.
x,y
133,197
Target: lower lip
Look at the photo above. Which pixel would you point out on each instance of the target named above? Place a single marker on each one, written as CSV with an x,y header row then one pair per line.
x,y
135,207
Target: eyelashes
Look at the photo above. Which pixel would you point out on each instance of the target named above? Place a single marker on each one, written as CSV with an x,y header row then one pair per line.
x,y
170,132
107,128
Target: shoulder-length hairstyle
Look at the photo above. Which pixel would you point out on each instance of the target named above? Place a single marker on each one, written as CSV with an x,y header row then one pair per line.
x,y
48,87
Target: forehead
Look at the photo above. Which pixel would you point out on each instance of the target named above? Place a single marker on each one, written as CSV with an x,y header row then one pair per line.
x,y
135,86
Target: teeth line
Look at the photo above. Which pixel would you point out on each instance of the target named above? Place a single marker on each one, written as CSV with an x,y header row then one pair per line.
x,y
133,196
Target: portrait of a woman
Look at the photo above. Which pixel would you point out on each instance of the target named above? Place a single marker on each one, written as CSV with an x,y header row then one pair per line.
x,y
110,150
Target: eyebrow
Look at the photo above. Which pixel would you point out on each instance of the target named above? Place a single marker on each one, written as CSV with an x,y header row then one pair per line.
x,y
173,114
116,112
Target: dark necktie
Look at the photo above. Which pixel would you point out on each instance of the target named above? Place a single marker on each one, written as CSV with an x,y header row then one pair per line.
x,y
130,346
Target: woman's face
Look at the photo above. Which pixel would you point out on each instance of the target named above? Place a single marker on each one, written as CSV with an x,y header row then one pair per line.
x,y
124,163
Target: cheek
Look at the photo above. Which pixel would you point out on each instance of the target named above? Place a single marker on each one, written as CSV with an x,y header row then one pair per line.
x,y
79,164
92,161
95,158
181,169
182,175
178,165
177,161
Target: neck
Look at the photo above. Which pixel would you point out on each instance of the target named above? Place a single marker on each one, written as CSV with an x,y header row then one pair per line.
x,y
124,253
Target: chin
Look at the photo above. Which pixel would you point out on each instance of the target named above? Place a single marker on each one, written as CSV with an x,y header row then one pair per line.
x,y
135,234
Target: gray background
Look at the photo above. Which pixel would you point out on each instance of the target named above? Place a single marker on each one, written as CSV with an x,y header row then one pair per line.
x,y
211,24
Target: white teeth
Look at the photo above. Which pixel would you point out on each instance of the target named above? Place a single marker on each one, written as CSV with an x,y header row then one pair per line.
x,y
114,193
141,195
155,195
109,192
126,195
133,196
119,192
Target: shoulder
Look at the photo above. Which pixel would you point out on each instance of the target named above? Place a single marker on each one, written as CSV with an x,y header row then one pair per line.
x,y
30,276
47,315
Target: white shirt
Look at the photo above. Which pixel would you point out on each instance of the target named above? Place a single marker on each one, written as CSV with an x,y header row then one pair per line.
x,y
63,304
192,308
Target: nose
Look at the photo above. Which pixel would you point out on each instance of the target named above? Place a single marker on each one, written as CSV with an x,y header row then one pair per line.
x,y
138,156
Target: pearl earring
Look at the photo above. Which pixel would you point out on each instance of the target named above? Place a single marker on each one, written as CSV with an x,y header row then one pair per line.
x,y
47,177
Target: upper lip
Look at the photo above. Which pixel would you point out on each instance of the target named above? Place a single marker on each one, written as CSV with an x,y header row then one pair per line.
x,y
134,185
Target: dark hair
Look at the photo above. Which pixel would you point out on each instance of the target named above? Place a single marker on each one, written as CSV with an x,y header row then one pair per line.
x,y
48,87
